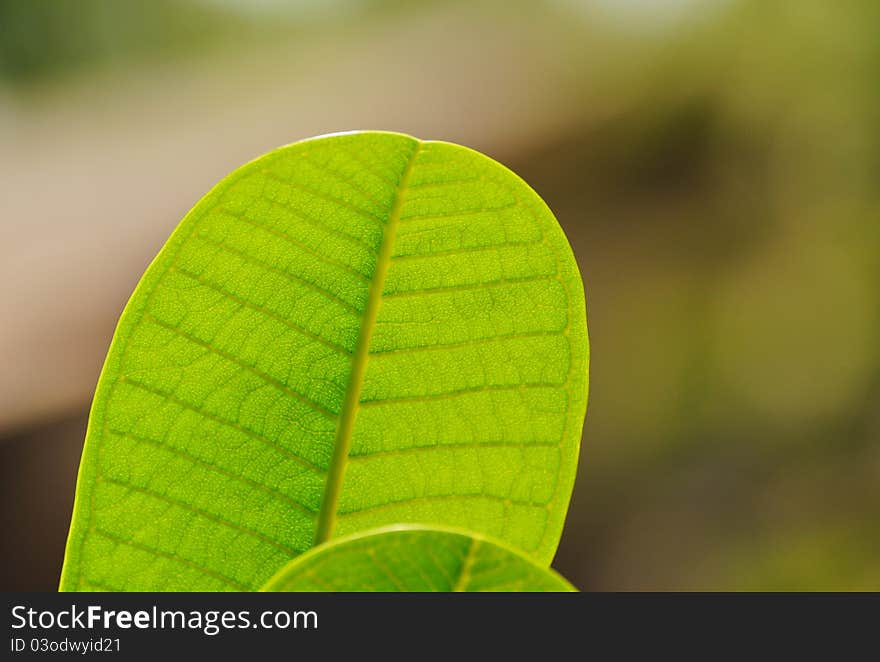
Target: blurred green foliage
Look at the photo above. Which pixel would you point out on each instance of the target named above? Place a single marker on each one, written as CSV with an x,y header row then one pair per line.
x,y
48,38
739,420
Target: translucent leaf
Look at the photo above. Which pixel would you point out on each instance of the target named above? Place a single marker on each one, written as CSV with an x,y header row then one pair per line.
x,y
414,559
349,332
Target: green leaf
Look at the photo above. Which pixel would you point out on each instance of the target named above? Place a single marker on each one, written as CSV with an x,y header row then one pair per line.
x,y
349,332
414,558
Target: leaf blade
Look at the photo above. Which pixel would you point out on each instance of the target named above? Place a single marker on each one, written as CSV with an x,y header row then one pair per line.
x,y
342,444
415,559
223,399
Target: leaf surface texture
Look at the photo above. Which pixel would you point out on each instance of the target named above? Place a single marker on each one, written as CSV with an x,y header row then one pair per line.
x,y
348,332
414,559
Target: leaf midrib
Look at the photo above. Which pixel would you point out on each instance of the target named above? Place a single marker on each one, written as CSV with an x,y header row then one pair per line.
x,y
342,443
467,564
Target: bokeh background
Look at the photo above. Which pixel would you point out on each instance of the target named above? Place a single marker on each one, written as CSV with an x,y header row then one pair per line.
x,y
716,164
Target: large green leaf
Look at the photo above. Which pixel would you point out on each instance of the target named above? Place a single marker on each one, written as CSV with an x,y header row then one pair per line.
x,y
414,558
349,332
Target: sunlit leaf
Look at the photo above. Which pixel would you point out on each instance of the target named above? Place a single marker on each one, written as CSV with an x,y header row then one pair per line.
x,y
414,559
349,332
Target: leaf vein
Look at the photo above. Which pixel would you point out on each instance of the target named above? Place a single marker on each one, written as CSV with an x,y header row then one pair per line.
x,y
467,251
440,498
323,168
501,282
347,204
261,309
219,576
200,512
213,466
447,446
266,378
463,213
299,214
251,434
487,388
290,276
336,472
329,261
464,575
469,343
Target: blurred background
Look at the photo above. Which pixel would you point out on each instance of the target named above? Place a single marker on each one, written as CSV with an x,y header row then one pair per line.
x,y
715,163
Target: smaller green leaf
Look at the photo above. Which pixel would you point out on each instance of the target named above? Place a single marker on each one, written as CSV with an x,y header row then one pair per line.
x,y
413,558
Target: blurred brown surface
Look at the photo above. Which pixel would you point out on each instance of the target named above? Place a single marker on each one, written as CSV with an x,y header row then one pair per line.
x,y
37,480
713,163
